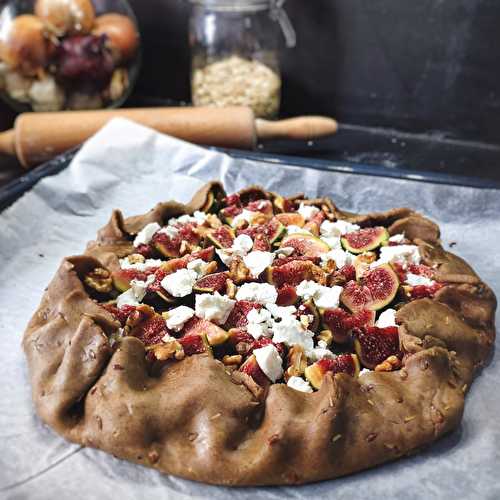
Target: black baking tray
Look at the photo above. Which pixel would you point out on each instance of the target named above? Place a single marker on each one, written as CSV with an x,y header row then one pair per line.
x,y
16,188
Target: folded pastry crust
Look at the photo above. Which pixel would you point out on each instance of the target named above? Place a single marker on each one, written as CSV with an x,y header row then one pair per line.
x,y
198,422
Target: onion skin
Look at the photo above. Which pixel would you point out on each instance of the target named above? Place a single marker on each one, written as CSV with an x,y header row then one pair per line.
x,y
25,46
66,17
121,32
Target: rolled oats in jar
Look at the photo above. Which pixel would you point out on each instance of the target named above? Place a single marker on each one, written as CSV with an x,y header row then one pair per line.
x,y
235,53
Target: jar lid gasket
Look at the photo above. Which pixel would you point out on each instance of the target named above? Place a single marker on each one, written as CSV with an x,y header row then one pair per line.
x,y
235,5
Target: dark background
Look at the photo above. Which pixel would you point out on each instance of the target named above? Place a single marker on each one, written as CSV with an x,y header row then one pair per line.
x,y
418,66
414,84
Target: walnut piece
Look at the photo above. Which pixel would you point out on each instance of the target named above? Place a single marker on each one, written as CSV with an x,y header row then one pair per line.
x,y
100,280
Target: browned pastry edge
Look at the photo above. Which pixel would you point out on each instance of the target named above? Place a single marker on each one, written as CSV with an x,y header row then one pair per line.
x,y
197,422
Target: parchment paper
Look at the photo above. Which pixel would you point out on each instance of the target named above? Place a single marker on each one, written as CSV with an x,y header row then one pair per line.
x,y
131,167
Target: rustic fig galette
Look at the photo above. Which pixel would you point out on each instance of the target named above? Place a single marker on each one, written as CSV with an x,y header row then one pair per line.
x,y
254,339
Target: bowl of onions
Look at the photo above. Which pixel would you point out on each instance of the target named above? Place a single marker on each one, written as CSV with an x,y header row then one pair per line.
x,y
67,54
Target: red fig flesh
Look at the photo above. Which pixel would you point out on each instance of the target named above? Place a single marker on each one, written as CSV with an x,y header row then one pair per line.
x,y
365,239
374,345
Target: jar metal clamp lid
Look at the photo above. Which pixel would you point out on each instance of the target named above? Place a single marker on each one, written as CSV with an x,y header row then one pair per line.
x,y
275,7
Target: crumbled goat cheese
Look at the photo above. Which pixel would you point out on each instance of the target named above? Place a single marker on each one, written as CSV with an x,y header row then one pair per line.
x,y
401,254
145,235
338,228
416,280
387,318
214,307
171,231
270,362
307,211
246,215
397,238
262,293
299,384
199,266
332,241
242,244
323,296
338,255
281,311
177,317
196,218
363,371
258,261
319,353
180,283
134,295
284,252
292,229
140,266
291,332
258,323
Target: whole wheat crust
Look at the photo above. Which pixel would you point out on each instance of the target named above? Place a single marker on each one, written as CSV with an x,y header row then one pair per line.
x,y
197,422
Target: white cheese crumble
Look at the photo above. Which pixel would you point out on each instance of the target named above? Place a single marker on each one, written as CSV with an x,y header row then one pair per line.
x,y
145,235
246,215
258,323
323,296
291,332
214,307
242,244
307,211
280,312
338,228
338,255
180,283
416,280
397,238
199,266
140,266
134,295
292,229
284,252
332,241
363,371
171,231
401,254
387,318
262,293
258,261
270,362
197,218
299,384
319,353
177,317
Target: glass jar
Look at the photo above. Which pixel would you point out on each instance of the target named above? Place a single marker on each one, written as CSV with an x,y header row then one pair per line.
x,y
234,53
67,54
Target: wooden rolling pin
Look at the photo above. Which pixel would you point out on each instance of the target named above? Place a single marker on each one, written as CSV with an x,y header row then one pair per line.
x,y
37,137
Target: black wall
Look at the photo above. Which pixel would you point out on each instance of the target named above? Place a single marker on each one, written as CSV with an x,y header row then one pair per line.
x,y
420,66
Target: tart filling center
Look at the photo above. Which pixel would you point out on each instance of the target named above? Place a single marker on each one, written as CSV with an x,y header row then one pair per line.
x,y
276,288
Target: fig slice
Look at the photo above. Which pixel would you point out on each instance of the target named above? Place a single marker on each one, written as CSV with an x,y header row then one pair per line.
x,y
376,290
167,246
195,344
294,272
383,284
229,213
252,368
123,277
212,283
340,322
238,315
374,345
214,334
305,244
344,363
291,219
365,239
222,237
272,230
287,296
